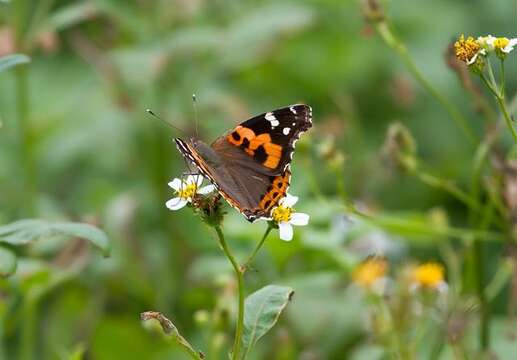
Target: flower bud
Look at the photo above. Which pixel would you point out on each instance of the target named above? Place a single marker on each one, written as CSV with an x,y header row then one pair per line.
x,y
372,10
400,148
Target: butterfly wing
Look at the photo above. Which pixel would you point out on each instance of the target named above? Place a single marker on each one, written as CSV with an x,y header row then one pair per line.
x,y
258,154
269,139
256,190
249,190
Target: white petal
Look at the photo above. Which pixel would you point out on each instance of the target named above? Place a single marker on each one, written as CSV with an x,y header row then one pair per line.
x,y
199,180
191,179
473,59
510,46
206,189
289,200
489,41
175,184
299,219
286,231
176,203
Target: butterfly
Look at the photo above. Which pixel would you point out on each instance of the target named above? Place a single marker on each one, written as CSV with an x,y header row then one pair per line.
x,y
250,164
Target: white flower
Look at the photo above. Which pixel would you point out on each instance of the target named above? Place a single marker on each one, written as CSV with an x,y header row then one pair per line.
x,y
502,44
284,216
486,42
186,190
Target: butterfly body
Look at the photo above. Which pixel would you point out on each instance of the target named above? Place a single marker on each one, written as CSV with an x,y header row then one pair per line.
x,y
250,165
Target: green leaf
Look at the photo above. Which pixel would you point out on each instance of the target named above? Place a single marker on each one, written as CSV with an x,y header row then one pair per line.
x,y
9,61
25,231
261,312
8,262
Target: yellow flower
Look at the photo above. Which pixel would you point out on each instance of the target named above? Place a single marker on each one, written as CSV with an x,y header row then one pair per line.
x,y
503,46
371,270
467,50
500,43
429,275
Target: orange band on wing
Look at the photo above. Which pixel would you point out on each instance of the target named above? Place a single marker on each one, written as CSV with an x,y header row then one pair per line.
x,y
240,133
275,192
249,142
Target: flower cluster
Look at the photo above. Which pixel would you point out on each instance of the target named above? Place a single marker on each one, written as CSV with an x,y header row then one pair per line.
x,y
472,51
190,191
373,271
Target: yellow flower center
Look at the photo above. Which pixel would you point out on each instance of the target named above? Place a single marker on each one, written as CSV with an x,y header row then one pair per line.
x,y
187,191
500,43
370,271
466,49
428,275
282,214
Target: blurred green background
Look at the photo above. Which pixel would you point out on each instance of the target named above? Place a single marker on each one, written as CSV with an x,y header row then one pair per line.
x,y
76,144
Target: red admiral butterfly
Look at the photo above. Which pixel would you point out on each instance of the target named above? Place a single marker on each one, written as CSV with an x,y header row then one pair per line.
x,y
250,165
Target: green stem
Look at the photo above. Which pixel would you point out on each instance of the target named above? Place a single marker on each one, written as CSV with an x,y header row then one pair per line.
x,y
502,76
250,259
452,189
418,228
491,73
240,283
507,118
28,330
394,43
500,98
22,109
500,279
37,21
491,86
188,348
479,259
484,336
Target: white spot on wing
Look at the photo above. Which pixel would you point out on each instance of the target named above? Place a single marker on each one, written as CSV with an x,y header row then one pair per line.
x,y
293,110
272,119
286,130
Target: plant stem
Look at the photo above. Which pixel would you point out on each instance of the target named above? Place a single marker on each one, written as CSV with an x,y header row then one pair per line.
x,y
28,330
394,43
507,118
491,73
452,189
399,225
502,76
499,94
22,109
484,336
479,259
250,259
240,283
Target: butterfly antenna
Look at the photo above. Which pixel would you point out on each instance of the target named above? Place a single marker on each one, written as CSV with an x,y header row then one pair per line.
x,y
150,112
194,105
